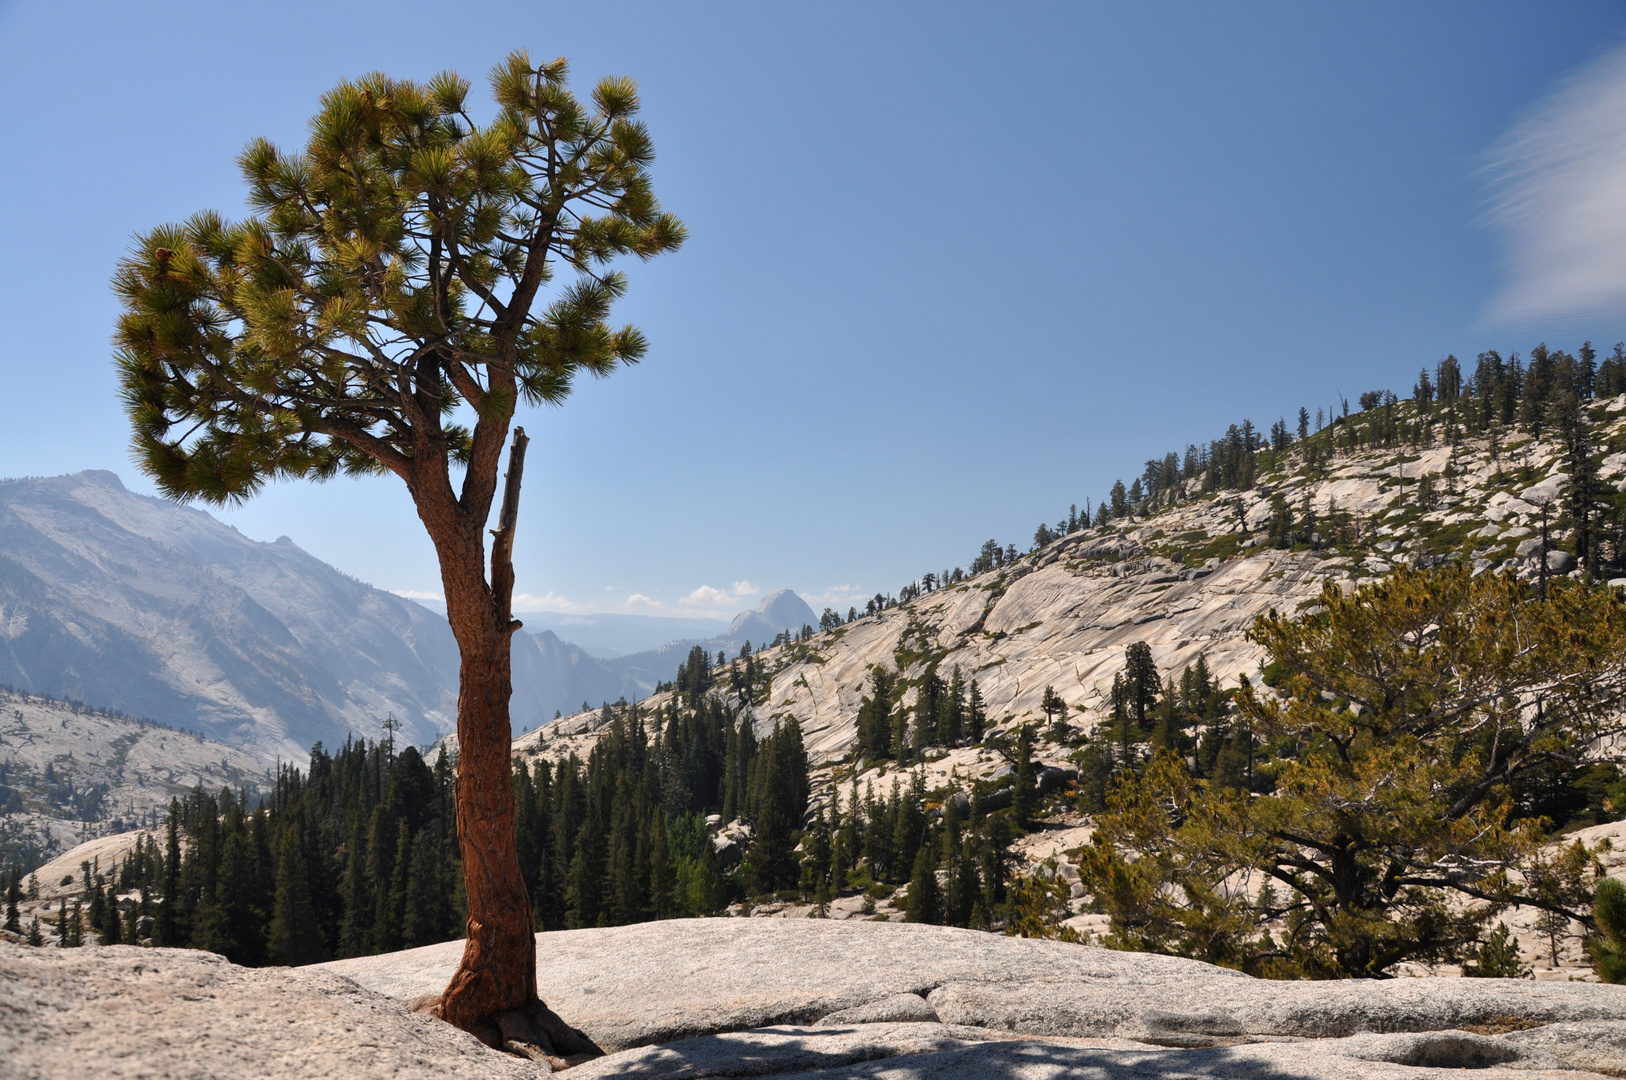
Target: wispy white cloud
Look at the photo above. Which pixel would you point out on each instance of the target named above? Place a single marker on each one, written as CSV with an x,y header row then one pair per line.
x,y
414,594
551,601
1558,196
836,596
707,600
706,596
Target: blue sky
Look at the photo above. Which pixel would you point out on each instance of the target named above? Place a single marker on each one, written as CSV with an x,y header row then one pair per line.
x,y
951,268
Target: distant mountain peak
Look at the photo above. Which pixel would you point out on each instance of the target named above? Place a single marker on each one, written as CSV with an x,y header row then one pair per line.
x,y
776,612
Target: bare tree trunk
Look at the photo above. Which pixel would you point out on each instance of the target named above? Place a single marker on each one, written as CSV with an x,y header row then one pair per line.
x,y
498,970
492,993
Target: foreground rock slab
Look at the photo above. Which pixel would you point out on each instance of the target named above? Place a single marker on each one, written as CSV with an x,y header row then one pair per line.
x,y
124,1011
660,982
924,1051
795,999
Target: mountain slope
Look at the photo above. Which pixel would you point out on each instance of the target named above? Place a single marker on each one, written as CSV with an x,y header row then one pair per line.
x,y
69,773
160,610
1188,580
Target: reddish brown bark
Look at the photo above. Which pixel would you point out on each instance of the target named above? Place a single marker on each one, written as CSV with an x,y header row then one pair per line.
x,y
498,971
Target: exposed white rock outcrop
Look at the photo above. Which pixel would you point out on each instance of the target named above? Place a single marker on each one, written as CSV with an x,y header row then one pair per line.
x,y
802,998
1062,616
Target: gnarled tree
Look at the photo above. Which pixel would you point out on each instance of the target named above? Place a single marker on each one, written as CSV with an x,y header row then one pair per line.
x,y
386,308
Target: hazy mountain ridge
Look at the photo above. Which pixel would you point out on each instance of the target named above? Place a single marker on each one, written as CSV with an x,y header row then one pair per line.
x,y
607,636
158,609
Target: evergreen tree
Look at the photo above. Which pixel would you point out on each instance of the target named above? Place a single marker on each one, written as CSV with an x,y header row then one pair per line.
x,y
295,938
14,896
976,718
112,928
1052,705
925,904
1024,795
227,388
355,933
1608,948
1141,683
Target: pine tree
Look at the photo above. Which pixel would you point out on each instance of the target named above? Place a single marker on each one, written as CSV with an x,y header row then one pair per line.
x,y
1052,705
1024,795
925,904
470,323
295,938
111,928
167,931
1608,948
14,895
355,933
1141,683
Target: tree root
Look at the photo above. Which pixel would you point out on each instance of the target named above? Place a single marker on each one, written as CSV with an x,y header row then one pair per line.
x,y
534,1031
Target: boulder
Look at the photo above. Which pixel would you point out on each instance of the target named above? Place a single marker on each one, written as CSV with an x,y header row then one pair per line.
x,y
1560,562
1054,778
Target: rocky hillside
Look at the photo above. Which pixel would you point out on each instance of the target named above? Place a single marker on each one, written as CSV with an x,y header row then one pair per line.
x,y
69,774
1187,577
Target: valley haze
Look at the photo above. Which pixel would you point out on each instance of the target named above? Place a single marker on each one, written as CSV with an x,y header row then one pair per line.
x,y
159,610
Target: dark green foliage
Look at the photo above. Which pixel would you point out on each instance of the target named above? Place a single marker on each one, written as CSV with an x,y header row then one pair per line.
x,y
317,870
14,895
1052,705
1497,957
875,720
1608,948
1141,683
622,837
1023,796
925,896
295,937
